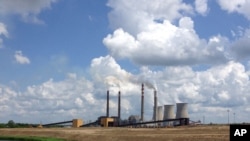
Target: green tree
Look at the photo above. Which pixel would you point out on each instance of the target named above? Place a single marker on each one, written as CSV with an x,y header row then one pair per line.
x,y
11,124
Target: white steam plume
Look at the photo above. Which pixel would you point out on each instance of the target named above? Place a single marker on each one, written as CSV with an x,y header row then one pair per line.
x,y
112,82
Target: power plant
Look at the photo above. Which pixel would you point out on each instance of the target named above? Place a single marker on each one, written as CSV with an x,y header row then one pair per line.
x,y
163,116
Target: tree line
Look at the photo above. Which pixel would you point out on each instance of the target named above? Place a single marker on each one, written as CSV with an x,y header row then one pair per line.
x,y
12,124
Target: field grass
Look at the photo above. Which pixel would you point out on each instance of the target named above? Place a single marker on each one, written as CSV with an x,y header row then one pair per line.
x,y
187,133
30,138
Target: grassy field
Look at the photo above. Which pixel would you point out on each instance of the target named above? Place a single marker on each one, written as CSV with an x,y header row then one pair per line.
x,y
188,133
29,138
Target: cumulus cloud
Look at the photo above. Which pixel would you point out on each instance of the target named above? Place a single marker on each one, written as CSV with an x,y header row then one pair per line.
x,y
74,96
161,33
133,16
240,48
167,44
238,6
20,58
54,99
3,32
219,88
201,7
27,9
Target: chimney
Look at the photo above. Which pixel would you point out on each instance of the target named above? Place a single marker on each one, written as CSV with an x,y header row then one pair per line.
x,y
107,112
119,105
155,105
142,101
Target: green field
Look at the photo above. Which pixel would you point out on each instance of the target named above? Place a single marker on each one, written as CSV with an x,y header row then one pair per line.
x,y
30,138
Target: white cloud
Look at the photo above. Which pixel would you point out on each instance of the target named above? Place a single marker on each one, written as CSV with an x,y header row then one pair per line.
x,y
167,44
141,15
8,98
239,6
58,99
78,102
219,88
201,7
3,32
152,37
27,9
240,48
155,35
20,58
104,67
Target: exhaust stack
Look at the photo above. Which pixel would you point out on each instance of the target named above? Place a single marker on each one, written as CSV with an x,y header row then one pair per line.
x,y
107,110
119,105
142,101
155,105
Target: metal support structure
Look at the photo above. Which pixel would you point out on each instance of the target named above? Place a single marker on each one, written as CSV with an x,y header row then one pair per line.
x,y
182,121
57,123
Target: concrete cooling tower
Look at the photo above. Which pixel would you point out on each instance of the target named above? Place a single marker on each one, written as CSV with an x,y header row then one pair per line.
x,y
169,113
159,111
182,110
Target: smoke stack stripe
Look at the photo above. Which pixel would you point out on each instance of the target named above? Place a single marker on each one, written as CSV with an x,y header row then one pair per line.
x,y
142,101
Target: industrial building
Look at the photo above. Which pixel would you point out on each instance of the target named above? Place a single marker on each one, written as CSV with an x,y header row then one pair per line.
x,y
163,116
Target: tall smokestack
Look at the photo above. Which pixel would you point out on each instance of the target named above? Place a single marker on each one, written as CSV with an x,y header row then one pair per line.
x,y
119,105
107,112
142,101
155,105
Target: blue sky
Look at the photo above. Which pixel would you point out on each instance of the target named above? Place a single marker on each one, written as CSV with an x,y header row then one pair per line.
x,y
66,54
72,30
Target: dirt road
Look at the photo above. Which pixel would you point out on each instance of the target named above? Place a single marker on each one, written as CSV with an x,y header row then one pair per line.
x,y
197,133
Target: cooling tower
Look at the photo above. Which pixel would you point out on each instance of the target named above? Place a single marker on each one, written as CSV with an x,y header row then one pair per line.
x,y
168,114
159,113
182,111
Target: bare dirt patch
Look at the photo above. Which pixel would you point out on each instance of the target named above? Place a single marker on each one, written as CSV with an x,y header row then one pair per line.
x,y
195,133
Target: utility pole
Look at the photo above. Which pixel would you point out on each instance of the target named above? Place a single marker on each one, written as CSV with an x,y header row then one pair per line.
x,y
234,118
